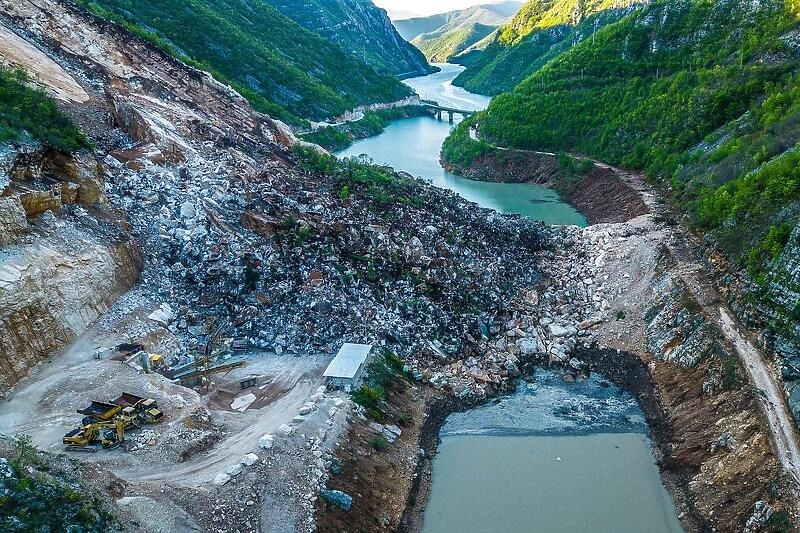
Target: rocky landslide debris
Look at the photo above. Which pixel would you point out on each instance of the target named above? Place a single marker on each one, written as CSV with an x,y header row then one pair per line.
x,y
293,268
542,324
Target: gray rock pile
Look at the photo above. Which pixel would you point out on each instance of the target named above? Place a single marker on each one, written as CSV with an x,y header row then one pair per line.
x,y
294,267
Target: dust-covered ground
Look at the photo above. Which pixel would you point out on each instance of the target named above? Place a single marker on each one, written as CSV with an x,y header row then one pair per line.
x,y
170,472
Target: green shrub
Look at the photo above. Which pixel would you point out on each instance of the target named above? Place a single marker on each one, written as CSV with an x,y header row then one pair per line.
x,y
730,372
313,160
404,419
368,396
32,114
379,444
779,522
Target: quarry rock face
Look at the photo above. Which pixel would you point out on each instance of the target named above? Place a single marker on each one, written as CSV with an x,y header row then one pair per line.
x,y
13,223
52,289
64,266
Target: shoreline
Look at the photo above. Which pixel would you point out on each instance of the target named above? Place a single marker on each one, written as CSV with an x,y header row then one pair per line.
x,y
600,194
371,123
624,370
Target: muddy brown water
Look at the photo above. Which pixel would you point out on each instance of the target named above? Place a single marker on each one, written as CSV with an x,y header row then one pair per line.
x,y
554,457
549,484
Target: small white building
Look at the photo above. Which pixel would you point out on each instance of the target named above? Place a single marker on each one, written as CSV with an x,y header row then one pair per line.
x,y
348,366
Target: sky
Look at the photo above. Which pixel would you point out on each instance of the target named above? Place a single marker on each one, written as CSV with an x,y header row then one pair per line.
x,y
414,8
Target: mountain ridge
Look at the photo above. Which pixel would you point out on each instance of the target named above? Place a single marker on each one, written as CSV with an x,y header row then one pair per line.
x,y
360,28
445,35
541,30
284,69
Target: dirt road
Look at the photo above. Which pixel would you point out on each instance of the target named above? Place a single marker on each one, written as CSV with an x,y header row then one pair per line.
x,y
44,407
770,393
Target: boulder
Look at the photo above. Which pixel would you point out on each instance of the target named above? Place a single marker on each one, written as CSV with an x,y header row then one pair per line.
x,y
234,470
391,432
266,441
163,315
250,459
557,330
221,479
528,346
188,209
336,497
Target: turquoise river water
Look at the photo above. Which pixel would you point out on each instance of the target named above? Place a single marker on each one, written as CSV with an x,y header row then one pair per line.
x,y
413,145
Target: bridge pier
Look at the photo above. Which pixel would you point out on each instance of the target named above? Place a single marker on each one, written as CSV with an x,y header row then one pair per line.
x,y
437,111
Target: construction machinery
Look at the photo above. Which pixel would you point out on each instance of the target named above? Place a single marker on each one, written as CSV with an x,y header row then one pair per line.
x,y
109,435
105,423
145,409
203,375
212,359
99,412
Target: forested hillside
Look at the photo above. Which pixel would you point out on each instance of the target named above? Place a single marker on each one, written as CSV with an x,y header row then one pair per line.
x,y
361,29
540,31
282,68
705,97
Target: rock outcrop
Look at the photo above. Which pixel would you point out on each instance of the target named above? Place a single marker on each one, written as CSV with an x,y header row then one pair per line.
x,y
360,28
52,289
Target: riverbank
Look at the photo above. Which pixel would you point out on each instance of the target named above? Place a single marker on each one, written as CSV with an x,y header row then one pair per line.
x,y
337,137
598,192
621,299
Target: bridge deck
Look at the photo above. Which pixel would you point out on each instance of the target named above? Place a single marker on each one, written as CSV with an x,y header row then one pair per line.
x,y
449,109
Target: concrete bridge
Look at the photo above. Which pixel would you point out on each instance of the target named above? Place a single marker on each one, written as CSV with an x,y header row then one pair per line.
x,y
439,109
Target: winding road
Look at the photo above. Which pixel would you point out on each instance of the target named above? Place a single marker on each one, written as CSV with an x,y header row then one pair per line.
x,y
760,372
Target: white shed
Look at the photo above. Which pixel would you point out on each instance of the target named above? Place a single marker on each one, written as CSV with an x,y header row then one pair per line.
x,y
346,369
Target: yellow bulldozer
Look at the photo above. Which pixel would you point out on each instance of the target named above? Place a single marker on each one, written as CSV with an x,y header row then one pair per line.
x,y
109,435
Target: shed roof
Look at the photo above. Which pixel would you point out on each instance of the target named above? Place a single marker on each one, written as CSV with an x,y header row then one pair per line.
x,y
348,361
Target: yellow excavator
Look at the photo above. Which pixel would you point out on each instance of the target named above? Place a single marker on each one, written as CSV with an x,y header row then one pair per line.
x,y
109,435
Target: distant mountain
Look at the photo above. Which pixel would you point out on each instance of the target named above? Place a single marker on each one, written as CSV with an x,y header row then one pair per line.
x,y
360,28
443,36
540,31
282,68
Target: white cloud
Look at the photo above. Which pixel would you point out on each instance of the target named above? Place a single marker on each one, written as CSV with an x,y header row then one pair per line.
x,y
400,8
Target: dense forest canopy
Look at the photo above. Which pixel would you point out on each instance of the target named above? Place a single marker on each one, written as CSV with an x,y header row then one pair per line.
x,y
701,94
539,32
